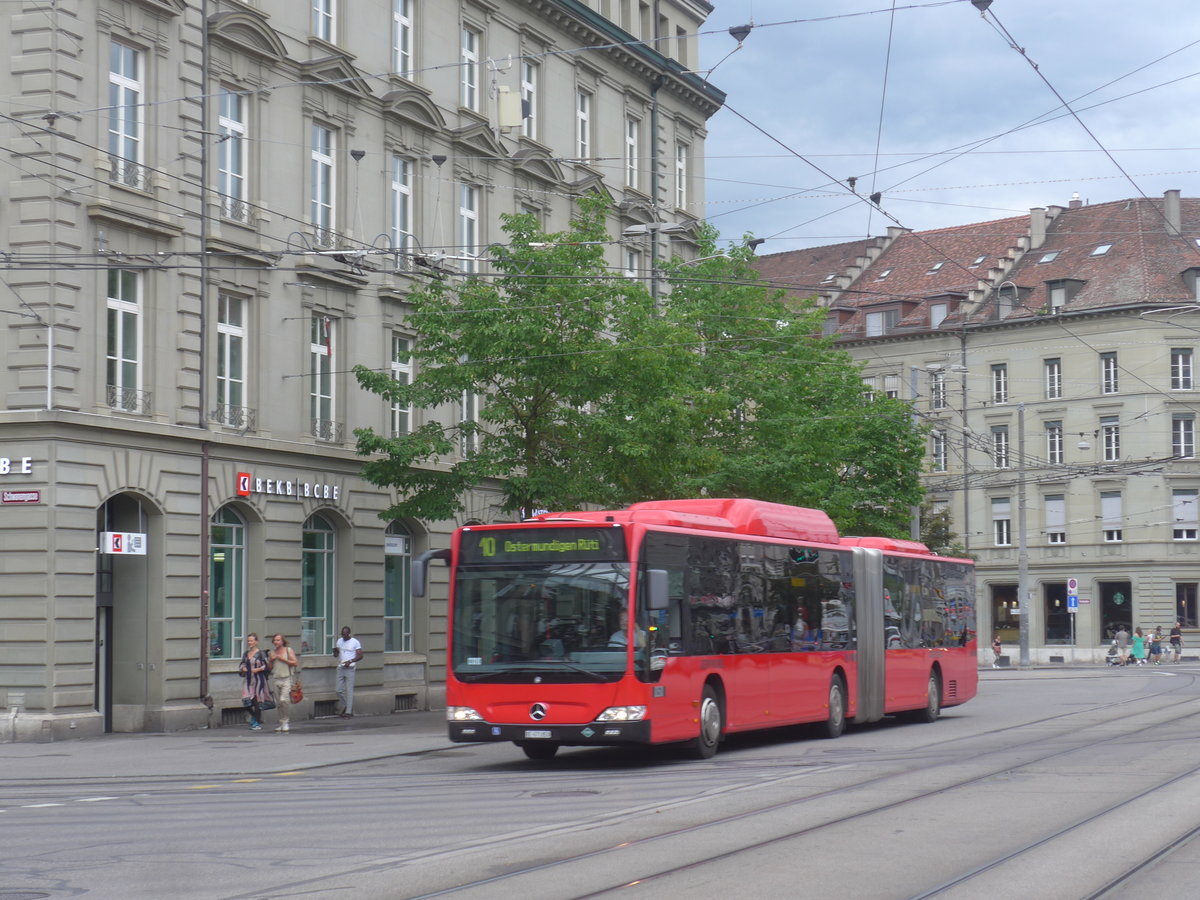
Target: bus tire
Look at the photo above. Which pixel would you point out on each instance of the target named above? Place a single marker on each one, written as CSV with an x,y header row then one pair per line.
x,y
712,718
835,722
539,750
933,706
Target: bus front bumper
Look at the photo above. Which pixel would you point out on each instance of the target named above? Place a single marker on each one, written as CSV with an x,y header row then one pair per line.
x,y
590,733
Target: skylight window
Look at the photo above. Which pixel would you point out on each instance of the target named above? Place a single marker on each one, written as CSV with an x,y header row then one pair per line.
x,y
884,274
935,267
828,278
1101,250
978,260
1049,257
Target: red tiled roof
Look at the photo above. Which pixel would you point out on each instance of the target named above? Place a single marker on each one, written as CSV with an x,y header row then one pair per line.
x,y
804,273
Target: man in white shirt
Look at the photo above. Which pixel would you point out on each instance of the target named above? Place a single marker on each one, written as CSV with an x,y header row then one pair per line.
x,y
348,651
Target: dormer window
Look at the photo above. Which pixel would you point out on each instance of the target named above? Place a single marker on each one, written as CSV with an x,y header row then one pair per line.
x,y
936,267
1191,278
1049,257
938,313
1101,250
1062,292
881,322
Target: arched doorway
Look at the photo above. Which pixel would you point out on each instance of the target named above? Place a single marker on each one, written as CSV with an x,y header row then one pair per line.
x,y
123,660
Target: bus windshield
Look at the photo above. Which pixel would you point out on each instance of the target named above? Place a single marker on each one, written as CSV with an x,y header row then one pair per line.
x,y
550,622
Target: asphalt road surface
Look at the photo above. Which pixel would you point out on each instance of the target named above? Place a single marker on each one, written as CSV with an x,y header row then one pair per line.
x,y
1064,784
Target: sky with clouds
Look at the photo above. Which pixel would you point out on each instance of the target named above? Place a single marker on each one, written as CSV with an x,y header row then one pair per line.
x,y
942,111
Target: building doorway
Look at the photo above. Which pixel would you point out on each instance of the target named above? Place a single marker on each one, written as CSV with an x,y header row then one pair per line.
x,y
1116,607
122,658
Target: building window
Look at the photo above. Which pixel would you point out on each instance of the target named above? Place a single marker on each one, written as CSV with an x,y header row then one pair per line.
x,y
1110,438
935,268
937,390
231,361
681,175
321,177
938,313
320,397
1055,506
583,125
1049,257
1000,446
1183,436
1109,383
1001,522
633,263
977,261
1054,443
631,160
1185,599
401,203
1053,372
1181,369
323,13
402,38
231,156
1186,521
1111,517
529,97
470,424
125,130
401,367
397,589
938,451
1000,383
891,386
1100,249
318,564
881,322
124,374
468,225
226,585
469,61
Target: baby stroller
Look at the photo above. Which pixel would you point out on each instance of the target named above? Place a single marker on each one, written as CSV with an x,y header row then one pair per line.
x,y
1114,656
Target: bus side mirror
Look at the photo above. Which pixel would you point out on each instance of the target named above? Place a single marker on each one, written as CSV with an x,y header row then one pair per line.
x,y
658,595
420,564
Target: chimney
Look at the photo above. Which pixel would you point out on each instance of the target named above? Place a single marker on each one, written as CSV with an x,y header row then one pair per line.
x,y
1171,213
1037,227
1075,201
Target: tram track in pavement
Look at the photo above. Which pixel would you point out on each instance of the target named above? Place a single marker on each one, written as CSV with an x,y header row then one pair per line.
x,y
608,858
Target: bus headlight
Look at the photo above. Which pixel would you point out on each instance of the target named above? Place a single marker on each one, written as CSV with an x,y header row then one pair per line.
x,y
462,714
622,714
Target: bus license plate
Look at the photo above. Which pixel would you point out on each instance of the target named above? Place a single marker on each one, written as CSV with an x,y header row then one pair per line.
x,y
532,733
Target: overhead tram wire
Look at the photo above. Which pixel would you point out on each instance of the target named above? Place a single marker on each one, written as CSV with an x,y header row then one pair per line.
x,y
887,65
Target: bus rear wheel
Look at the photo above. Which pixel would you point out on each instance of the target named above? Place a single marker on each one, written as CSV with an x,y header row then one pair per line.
x,y
540,750
835,722
704,745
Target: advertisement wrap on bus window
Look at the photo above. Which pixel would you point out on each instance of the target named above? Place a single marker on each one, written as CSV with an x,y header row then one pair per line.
x,y
685,621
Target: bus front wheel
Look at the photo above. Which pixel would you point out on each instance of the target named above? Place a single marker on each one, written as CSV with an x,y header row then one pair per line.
x,y
540,750
835,722
704,745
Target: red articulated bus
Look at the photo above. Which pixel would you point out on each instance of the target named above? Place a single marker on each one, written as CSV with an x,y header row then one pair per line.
x,y
687,620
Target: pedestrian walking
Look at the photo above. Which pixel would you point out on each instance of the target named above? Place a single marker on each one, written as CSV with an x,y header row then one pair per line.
x,y
283,662
1139,648
1176,641
255,691
1122,639
996,648
349,652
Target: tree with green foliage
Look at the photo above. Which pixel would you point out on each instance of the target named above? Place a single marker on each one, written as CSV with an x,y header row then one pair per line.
x,y
787,410
552,337
936,533
592,393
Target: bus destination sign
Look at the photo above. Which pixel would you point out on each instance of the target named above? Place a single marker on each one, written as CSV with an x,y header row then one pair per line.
x,y
519,545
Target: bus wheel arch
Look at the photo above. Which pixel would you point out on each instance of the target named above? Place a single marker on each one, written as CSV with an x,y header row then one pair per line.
x,y
711,719
539,750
